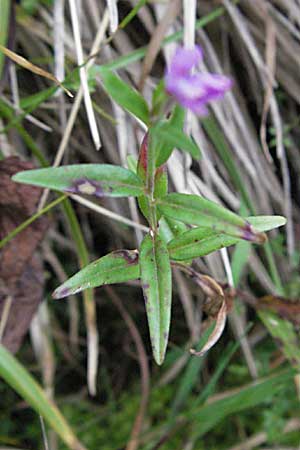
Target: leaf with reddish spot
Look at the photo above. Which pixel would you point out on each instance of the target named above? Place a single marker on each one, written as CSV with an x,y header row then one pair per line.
x,y
156,281
203,241
116,267
199,211
101,180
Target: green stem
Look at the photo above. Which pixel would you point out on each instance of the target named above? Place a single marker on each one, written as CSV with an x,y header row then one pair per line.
x,y
150,180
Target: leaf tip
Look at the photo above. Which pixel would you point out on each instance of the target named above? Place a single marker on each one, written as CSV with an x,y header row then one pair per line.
x,y
158,357
61,292
252,235
15,177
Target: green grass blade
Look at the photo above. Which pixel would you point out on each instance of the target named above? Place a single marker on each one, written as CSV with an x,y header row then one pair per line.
x,y
240,257
34,101
8,113
138,54
208,416
29,221
190,376
224,152
5,6
283,331
24,384
223,362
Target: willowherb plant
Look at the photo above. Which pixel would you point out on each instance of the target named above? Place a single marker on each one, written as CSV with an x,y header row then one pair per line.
x,y
169,240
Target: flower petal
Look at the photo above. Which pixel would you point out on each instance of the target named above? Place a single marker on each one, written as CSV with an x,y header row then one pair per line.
x,y
184,88
214,84
184,60
194,91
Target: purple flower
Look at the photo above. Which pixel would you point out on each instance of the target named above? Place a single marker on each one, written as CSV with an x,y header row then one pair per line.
x,y
194,91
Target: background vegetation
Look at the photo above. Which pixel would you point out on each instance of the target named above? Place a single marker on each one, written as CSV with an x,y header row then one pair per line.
x,y
92,354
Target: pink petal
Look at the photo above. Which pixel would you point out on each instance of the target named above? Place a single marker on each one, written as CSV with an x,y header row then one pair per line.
x,y
184,60
214,82
184,88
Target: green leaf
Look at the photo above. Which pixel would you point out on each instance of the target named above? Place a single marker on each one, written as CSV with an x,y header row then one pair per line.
x,y
266,223
209,415
160,182
170,228
5,8
116,267
131,163
201,241
24,384
200,211
159,98
190,377
216,136
283,331
101,180
171,136
160,189
125,95
136,55
164,149
198,242
239,260
155,179
156,281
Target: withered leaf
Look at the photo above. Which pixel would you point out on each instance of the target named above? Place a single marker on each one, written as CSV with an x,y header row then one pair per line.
x,y
215,306
35,69
216,333
21,272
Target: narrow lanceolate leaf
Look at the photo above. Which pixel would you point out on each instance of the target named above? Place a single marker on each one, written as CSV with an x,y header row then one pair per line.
x,y
125,95
116,267
164,148
16,376
202,241
101,180
266,223
200,211
156,282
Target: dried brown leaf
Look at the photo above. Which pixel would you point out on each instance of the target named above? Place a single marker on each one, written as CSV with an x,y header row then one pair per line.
x,y
216,333
33,68
21,271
